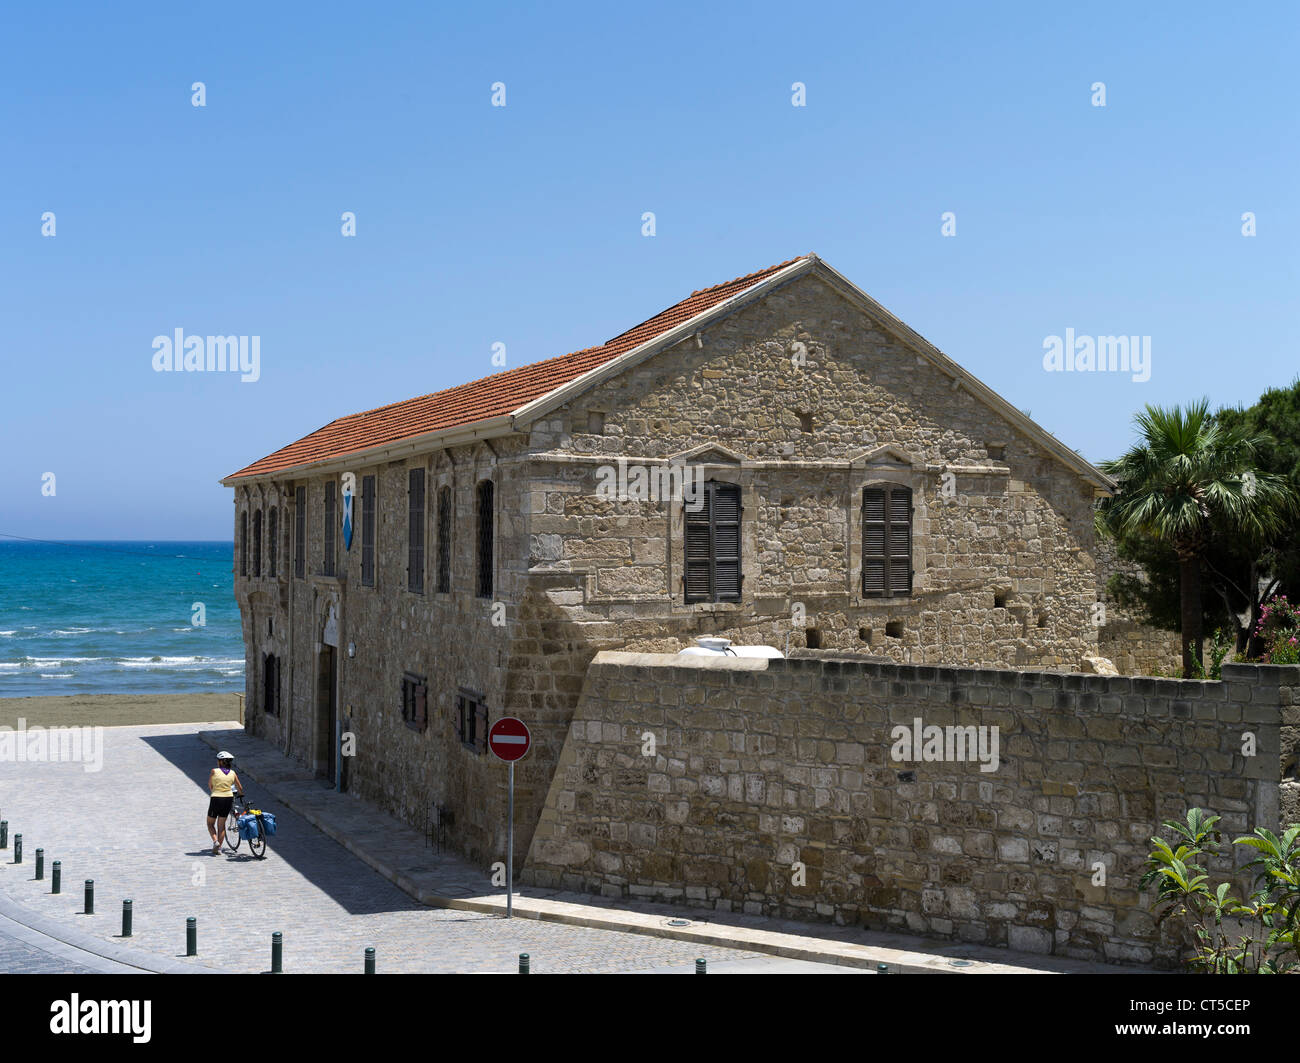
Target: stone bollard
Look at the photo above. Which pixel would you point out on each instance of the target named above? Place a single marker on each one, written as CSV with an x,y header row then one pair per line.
x,y
126,919
701,967
277,953
90,896
191,936
370,961
56,879
524,963
40,864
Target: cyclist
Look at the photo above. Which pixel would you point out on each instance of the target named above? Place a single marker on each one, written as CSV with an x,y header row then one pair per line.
x,y
223,784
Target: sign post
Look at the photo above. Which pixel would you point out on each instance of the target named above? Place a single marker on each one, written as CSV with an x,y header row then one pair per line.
x,y
509,739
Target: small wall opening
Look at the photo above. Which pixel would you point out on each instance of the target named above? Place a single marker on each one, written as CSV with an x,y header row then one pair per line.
x,y
1042,620
999,599
894,629
814,638
864,635
996,451
805,422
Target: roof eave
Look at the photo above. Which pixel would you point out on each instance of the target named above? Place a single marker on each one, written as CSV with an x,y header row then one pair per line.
x,y
488,428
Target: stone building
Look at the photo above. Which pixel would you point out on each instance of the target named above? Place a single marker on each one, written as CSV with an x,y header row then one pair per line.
x,y
776,459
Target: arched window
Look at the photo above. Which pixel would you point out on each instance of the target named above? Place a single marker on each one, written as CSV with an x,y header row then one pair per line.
x,y
257,543
272,540
243,543
712,572
485,540
886,541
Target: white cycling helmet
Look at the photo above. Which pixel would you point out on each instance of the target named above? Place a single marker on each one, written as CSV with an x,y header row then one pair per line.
x,y
223,755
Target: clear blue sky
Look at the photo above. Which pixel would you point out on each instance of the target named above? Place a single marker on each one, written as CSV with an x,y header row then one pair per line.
x,y
522,224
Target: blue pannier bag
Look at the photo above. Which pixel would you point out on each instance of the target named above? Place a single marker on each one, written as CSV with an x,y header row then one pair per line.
x,y
248,827
268,823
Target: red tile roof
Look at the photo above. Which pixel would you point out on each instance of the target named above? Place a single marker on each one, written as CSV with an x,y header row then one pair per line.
x,y
493,396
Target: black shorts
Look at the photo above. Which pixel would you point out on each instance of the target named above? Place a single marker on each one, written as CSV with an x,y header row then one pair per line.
x,y
219,807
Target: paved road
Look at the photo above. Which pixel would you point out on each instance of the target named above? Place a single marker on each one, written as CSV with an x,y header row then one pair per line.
x,y
137,828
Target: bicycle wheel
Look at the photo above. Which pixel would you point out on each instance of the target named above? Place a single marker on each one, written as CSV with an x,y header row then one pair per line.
x,y
257,846
232,831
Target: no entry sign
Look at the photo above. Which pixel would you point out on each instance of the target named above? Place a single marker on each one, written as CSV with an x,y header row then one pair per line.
x,y
509,739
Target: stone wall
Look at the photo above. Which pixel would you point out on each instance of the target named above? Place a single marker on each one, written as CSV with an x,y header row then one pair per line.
x,y
761,765
1135,648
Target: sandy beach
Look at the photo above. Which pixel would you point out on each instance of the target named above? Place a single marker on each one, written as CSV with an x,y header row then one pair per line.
x,y
118,710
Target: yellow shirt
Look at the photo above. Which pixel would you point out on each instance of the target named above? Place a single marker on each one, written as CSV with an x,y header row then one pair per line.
x,y
222,783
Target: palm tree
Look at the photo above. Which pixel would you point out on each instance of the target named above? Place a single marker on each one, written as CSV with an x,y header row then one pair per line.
x,y
1185,472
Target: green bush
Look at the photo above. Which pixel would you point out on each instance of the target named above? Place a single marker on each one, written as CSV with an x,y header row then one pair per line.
x,y
1269,915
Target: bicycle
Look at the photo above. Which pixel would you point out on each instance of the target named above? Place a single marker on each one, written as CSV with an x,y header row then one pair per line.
x,y
256,846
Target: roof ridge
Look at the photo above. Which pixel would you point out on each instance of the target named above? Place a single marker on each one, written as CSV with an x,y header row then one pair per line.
x,y
748,276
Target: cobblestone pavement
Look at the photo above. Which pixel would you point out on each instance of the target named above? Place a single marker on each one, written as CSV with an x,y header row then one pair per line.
x,y
137,828
17,957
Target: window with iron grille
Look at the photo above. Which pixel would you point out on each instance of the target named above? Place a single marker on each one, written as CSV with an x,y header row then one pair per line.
x,y
300,532
485,490
415,697
712,569
444,540
887,541
415,532
331,515
257,543
471,720
243,543
272,540
368,531
271,685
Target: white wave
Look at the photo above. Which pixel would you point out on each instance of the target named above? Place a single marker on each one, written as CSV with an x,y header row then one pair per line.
x,y
56,675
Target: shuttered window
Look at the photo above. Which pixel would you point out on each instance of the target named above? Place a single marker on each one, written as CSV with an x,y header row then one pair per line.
x,y
886,541
272,539
257,543
367,531
471,720
485,573
415,532
415,698
331,516
444,540
300,532
712,571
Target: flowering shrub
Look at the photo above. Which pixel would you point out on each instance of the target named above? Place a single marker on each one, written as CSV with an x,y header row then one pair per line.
x,y
1279,627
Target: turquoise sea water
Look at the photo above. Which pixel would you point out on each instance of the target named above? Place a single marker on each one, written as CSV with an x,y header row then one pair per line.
x,y
116,618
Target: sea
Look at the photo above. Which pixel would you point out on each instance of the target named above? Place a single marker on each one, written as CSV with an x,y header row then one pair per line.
x,y
118,618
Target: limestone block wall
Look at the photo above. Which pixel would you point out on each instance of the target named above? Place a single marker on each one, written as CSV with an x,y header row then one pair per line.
x,y
771,789
1135,648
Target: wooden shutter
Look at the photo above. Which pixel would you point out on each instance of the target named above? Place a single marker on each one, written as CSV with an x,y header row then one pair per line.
x,y
485,539
886,541
300,533
368,531
725,513
331,515
420,707
480,727
712,548
415,532
444,540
